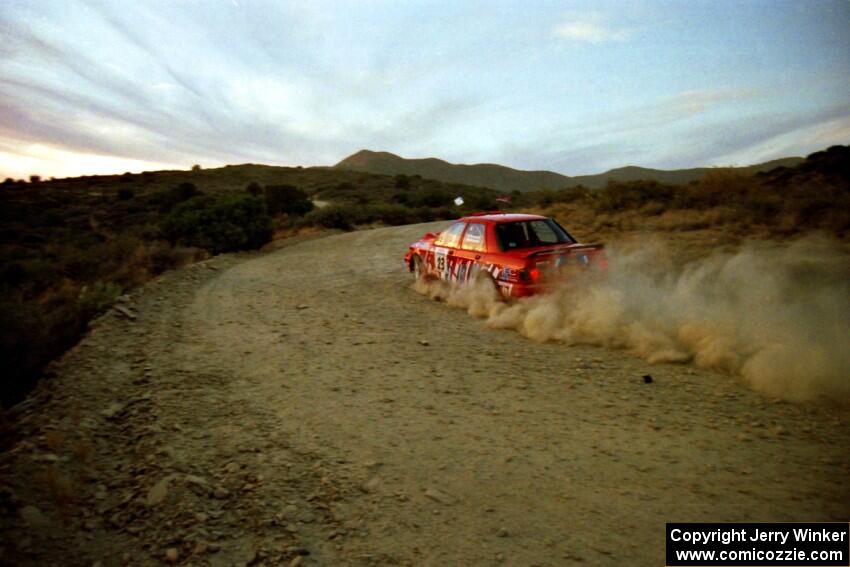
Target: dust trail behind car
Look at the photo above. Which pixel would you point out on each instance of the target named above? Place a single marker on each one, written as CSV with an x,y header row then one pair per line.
x,y
775,314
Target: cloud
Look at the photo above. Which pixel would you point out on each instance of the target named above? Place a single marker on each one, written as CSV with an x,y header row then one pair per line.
x,y
589,29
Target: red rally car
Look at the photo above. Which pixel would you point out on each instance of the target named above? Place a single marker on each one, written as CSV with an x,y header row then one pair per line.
x,y
523,254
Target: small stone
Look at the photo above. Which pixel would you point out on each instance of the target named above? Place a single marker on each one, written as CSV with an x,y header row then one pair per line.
x,y
647,379
112,410
201,517
172,555
125,312
195,480
158,492
302,306
424,343
371,485
221,493
439,496
503,532
296,561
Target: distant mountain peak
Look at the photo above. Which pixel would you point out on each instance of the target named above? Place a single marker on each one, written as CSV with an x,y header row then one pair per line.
x,y
364,157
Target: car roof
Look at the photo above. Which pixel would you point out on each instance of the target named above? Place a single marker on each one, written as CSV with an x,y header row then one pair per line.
x,y
502,217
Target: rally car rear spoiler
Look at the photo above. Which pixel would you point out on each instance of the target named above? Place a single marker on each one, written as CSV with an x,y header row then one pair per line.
x,y
567,248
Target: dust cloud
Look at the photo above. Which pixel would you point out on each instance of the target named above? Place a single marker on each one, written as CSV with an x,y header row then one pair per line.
x,y
776,314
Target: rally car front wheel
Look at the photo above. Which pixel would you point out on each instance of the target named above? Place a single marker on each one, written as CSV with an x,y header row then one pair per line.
x,y
418,269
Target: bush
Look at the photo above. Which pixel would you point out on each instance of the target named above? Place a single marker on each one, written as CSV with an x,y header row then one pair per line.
x,y
346,216
617,196
402,182
99,296
333,216
288,200
32,334
125,194
167,200
432,198
234,222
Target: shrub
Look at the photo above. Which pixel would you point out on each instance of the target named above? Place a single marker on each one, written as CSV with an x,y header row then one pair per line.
x,y
617,196
333,216
286,199
99,296
432,198
254,189
234,222
125,194
402,182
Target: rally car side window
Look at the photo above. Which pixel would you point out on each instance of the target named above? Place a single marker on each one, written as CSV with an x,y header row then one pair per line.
x,y
451,236
528,234
473,238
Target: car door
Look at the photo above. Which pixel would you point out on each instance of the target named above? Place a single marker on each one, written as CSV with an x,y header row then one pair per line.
x,y
472,248
445,247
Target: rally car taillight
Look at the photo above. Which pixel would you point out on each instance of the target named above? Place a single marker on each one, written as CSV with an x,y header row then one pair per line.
x,y
530,273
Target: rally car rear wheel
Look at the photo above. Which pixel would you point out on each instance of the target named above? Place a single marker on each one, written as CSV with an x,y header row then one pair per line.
x,y
484,280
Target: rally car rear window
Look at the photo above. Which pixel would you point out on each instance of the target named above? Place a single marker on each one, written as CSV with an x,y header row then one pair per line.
x,y
528,234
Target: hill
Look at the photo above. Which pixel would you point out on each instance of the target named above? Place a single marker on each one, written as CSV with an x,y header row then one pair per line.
x,y
504,178
489,175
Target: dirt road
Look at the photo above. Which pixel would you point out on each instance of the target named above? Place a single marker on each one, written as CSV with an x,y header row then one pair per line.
x,y
306,406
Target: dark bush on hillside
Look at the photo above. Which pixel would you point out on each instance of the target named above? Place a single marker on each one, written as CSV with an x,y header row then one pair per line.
x,y
635,194
254,189
23,346
347,216
288,200
432,198
235,222
333,216
402,182
125,194
167,200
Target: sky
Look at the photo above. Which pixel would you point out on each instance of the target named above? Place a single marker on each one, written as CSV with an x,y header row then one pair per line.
x,y
107,86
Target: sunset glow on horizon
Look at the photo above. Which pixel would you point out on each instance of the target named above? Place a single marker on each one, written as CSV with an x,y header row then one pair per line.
x,y
101,86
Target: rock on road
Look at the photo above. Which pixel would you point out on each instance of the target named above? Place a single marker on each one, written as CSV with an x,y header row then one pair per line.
x,y
306,406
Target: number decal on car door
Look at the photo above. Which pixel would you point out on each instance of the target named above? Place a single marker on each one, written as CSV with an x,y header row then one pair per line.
x,y
441,265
